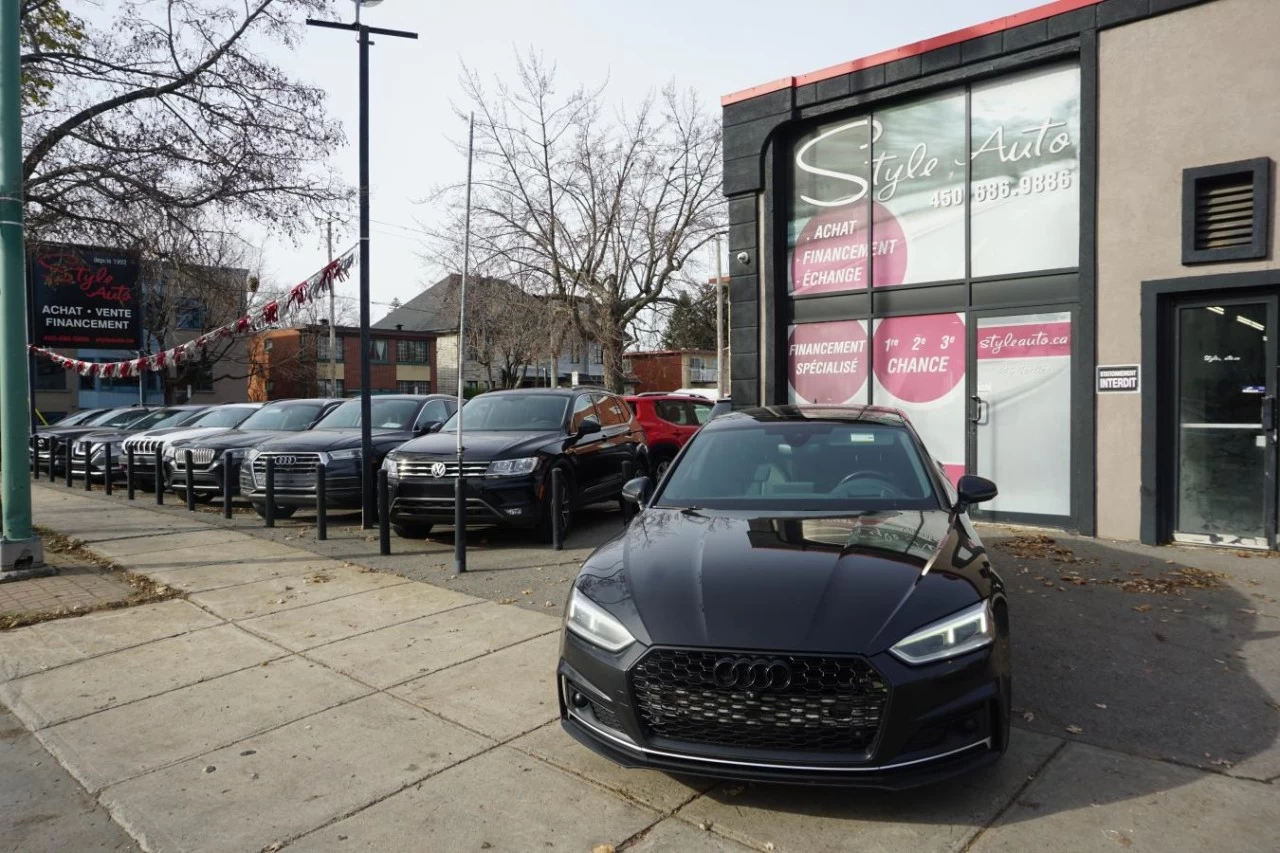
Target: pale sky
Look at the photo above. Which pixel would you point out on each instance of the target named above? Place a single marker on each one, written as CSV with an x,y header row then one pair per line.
x,y
712,46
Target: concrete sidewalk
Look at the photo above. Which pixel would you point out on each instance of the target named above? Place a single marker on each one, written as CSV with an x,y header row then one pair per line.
x,y
296,701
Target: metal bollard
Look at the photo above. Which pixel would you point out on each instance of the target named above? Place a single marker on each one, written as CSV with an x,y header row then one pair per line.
x,y
269,511
227,484
88,469
68,463
322,503
460,522
191,493
159,477
627,473
35,457
106,464
557,498
129,470
53,460
384,515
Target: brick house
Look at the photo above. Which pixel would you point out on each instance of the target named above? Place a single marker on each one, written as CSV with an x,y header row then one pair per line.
x,y
294,362
669,370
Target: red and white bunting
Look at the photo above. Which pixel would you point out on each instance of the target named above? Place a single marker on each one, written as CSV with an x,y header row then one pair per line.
x,y
264,317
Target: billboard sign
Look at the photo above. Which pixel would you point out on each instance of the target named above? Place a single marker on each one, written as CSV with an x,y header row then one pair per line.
x,y
85,297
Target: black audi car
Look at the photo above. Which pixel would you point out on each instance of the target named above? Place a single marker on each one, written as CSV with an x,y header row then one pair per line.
x,y
335,441
802,599
210,422
59,434
513,441
210,454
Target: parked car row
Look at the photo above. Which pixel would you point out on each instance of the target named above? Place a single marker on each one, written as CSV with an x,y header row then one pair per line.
x,y
513,441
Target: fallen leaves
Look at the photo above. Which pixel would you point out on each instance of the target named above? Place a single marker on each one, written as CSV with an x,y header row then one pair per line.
x,y
506,601
1075,730
599,848
1028,716
1141,608
1038,546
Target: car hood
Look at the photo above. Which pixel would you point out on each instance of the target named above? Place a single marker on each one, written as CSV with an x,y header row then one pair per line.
x,y
484,446
69,432
331,439
230,439
800,583
172,434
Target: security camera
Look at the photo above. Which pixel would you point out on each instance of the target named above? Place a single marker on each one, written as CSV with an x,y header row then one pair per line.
x,y
744,258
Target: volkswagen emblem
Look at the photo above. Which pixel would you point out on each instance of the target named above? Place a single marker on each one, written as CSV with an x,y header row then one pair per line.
x,y
438,470
286,460
752,673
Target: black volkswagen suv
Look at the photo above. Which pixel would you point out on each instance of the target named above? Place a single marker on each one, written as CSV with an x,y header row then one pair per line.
x,y
211,454
513,440
335,441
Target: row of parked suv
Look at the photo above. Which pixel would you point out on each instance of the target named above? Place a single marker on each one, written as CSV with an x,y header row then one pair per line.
x,y
512,440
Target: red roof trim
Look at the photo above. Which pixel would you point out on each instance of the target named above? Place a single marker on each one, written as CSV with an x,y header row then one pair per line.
x,y
1039,13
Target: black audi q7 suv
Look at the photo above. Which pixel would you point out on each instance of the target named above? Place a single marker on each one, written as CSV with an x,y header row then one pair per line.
x,y
513,440
335,441
210,455
802,598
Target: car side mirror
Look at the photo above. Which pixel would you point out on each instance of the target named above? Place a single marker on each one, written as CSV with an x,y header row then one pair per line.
x,y
589,426
974,490
429,427
636,490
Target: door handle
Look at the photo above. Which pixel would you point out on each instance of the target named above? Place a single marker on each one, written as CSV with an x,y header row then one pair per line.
x,y
981,411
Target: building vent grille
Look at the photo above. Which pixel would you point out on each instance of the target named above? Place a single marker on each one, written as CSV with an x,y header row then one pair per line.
x,y
1224,212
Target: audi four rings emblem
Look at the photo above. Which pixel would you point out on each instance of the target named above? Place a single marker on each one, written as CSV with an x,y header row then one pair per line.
x,y
438,470
286,460
758,673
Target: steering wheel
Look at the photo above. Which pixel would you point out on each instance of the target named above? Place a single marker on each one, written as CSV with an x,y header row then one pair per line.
x,y
889,490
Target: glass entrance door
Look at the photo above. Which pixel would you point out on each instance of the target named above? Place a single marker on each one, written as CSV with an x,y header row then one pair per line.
x,y
1225,382
1020,412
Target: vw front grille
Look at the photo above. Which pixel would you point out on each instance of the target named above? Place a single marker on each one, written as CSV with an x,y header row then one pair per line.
x,y
786,702
438,469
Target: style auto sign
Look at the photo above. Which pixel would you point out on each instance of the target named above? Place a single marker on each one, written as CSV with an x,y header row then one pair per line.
x,y
84,297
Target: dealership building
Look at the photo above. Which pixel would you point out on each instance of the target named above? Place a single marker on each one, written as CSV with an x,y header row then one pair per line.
x,y
1049,240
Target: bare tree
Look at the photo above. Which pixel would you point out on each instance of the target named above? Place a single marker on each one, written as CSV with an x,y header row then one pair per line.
x,y
600,213
151,109
506,329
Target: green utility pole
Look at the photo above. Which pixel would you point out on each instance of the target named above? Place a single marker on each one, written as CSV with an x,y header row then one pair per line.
x,y
20,552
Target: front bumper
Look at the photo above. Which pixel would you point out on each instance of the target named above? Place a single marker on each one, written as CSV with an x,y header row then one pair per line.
x,y
507,501
205,479
940,720
342,486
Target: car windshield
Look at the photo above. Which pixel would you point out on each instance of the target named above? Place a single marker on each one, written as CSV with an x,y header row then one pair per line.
x,y
76,417
511,412
293,417
118,417
163,418
386,414
222,416
801,465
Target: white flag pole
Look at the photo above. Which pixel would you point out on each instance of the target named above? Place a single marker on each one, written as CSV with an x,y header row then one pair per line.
x,y
459,491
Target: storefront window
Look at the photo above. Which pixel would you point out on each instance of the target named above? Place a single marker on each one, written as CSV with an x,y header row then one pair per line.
x,y
1023,411
1026,172
827,362
918,170
827,232
919,367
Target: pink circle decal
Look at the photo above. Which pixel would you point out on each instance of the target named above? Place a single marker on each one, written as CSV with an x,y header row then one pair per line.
x,y
830,254
919,359
828,361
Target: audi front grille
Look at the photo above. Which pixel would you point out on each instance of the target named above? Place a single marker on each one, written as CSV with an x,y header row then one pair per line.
x,y
293,471
201,457
438,469
740,699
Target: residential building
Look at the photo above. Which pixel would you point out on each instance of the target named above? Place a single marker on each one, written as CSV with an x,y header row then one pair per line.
x,y
435,311
670,370
294,362
1050,240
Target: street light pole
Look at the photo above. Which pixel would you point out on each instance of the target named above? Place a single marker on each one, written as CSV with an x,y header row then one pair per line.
x,y
20,552
368,490
333,333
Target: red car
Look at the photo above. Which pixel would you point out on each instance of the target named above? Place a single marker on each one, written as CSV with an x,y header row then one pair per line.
x,y
669,420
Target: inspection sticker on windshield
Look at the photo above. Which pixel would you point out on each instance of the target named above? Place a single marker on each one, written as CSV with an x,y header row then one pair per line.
x,y
862,437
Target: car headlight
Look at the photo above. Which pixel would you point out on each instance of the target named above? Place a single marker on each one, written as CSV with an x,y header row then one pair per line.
x,y
392,466
970,629
594,624
353,453
512,467
250,455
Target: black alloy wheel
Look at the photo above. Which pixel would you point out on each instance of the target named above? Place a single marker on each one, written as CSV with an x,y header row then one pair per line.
x,y
565,509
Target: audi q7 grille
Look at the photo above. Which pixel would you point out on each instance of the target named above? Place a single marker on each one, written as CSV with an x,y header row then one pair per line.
x,y
783,702
293,471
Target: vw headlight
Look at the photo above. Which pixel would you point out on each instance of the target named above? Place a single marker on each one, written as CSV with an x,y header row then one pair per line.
x,y
970,629
353,453
512,467
594,624
392,466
